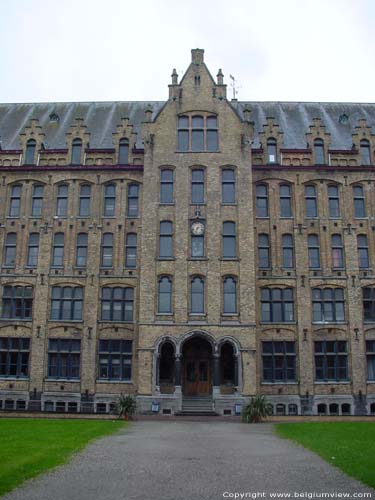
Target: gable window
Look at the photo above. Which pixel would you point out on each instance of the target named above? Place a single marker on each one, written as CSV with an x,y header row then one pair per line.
x,y
261,200
84,200
328,305
15,201
359,202
123,151
228,186
229,295
62,200
365,152
81,250
30,152
368,295
17,302
264,251
331,361
107,250
109,200
58,250
279,361
277,305
33,250
117,304
319,152
64,358
271,150
337,251
133,195
363,255
288,251
166,239
229,240
115,359
285,201
10,250
370,355
197,186
197,133
166,185
131,250
14,357
37,200
197,296
66,303
310,200
333,202
76,151
165,295
314,251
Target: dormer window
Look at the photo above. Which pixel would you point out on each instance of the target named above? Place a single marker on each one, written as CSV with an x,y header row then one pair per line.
x,y
76,151
271,150
30,152
123,151
365,152
197,133
319,152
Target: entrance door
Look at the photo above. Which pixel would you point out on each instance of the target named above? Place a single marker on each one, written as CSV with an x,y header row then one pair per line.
x,y
197,377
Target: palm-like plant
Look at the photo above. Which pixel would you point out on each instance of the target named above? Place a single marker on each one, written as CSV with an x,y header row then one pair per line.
x,y
257,409
126,406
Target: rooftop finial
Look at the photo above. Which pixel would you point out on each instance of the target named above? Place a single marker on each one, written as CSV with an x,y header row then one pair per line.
x,y
220,77
148,112
174,77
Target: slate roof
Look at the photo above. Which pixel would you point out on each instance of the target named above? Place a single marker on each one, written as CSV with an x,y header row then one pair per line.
x,y
102,118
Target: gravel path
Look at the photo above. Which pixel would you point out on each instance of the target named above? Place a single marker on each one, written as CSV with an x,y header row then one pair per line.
x,y
180,460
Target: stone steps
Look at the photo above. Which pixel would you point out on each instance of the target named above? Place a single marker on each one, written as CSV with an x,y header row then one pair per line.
x,y
197,406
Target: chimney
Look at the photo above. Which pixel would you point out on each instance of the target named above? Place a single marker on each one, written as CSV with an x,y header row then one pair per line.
x,y
197,56
174,77
220,77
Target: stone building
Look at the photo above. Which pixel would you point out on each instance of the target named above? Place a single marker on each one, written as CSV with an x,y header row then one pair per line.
x,y
193,252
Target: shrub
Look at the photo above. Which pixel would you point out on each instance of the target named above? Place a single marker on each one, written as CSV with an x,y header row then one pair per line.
x,y
257,409
126,406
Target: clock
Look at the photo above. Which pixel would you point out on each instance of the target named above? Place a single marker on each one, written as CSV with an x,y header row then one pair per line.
x,y
197,228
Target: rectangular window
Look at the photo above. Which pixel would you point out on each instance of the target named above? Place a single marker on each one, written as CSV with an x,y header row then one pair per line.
x,y
33,250
288,251
62,201
166,186
66,303
337,252
109,200
359,202
131,250
107,250
84,200
328,305
17,302
115,359
133,195
37,201
285,201
333,202
314,251
261,200
368,295
197,187
15,201
64,358
263,251
58,250
117,304
166,240
370,354
277,305
81,250
228,186
363,254
10,250
331,361
310,200
14,357
279,362
197,246
229,240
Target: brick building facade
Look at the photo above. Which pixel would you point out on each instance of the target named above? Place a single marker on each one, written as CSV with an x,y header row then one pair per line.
x,y
193,252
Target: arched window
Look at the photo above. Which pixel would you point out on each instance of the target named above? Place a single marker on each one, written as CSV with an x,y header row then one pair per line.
x,y
117,304
197,133
166,239
76,151
363,255
322,409
359,202
280,409
107,250
30,152
15,201
81,250
123,151
33,250
337,251
166,364
314,251
271,150
58,250
372,409
229,296
165,295
109,200
292,409
10,250
261,200
229,240
197,295
288,251
166,185
227,365
264,261
319,152
228,186
333,409
310,200
345,409
285,201
131,250
365,152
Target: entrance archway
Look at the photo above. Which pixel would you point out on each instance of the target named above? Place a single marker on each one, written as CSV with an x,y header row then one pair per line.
x,y
197,367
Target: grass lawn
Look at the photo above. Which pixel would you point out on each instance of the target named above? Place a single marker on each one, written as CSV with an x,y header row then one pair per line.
x,y
349,446
29,447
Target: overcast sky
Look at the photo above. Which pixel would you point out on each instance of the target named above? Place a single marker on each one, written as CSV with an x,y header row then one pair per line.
x,y
100,50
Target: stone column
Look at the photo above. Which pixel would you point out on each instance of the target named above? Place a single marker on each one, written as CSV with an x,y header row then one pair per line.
x,y
216,375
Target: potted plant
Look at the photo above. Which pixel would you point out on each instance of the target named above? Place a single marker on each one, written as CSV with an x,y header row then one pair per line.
x,y
126,406
256,410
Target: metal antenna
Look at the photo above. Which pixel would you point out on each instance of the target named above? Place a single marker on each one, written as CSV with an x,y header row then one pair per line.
x,y
233,84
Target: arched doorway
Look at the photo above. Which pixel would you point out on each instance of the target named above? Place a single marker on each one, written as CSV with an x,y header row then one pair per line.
x,y
197,367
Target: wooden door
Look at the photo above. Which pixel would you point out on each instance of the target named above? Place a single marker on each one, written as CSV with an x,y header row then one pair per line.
x,y
197,377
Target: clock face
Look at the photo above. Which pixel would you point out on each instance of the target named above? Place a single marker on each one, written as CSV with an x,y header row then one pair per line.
x,y
197,228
